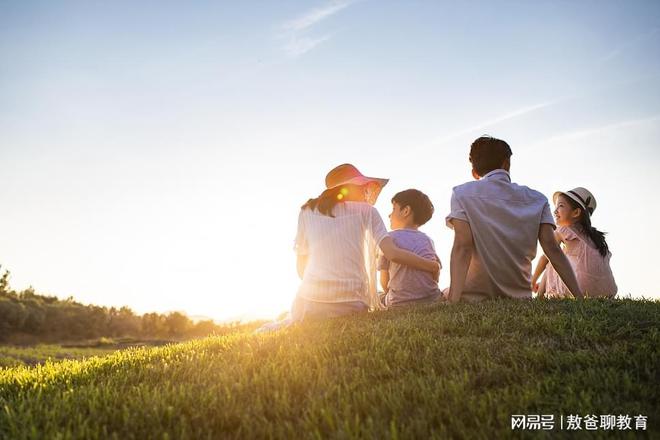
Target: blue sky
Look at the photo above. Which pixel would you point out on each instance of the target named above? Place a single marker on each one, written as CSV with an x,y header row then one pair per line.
x,y
155,154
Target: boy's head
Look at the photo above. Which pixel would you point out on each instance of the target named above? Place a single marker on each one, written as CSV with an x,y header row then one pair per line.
x,y
410,208
488,154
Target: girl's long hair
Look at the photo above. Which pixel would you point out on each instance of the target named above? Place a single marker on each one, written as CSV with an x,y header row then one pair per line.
x,y
326,202
596,236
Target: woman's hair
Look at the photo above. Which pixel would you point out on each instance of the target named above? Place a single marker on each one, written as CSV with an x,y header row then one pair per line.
x,y
596,236
326,202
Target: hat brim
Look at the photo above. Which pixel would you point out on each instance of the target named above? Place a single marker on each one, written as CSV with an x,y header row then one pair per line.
x,y
570,196
364,180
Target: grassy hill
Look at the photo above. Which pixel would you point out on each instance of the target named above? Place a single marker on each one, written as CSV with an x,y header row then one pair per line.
x,y
460,371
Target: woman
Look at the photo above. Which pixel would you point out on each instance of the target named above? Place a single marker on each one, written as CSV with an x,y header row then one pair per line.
x,y
339,233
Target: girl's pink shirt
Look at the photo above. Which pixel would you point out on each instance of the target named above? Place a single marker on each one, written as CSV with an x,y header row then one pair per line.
x,y
592,270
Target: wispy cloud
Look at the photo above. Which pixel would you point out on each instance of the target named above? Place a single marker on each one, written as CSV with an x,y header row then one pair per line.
x,y
492,122
314,16
300,45
626,45
294,30
578,134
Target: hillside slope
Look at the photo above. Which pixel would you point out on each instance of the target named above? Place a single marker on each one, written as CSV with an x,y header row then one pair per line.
x,y
459,371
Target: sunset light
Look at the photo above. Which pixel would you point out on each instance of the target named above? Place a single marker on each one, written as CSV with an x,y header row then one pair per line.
x,y
329,219
176,184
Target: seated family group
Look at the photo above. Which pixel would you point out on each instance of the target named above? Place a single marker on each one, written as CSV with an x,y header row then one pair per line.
x,y
342,243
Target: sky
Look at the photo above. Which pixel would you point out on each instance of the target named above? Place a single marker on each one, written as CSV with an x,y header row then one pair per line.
x,y
155,154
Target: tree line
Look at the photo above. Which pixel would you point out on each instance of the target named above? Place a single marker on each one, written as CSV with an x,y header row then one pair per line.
x,y
32,316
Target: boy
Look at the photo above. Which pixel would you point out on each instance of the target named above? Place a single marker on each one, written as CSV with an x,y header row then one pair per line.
x,y
404,285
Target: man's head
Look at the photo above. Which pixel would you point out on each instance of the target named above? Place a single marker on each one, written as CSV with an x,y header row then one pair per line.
x,y
410,208
488,154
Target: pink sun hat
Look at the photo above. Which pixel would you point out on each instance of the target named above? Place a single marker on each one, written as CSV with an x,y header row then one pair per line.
x,y
347,174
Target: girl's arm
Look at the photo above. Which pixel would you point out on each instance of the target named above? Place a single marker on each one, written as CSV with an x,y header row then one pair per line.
x,y
384,279
542,264
540,267
394,253
559,260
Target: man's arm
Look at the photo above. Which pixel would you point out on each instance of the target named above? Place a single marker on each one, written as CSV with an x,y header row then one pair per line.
x,y
301,264
461,255
558,259
394,253
384,279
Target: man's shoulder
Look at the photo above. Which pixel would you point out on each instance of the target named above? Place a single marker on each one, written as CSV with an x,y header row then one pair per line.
x,y
479,187
466,188
530,192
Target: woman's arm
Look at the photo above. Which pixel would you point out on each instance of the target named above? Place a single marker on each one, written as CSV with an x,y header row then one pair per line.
x,y
384,279
301,264
394,253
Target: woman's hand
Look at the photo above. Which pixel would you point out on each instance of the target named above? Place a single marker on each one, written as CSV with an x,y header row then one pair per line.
x,y
435,273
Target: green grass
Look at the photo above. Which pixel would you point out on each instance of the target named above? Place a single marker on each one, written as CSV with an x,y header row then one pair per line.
x,y
31,355
434,371
14,356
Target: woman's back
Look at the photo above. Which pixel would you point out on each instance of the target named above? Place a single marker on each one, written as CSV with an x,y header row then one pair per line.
x,y
338,250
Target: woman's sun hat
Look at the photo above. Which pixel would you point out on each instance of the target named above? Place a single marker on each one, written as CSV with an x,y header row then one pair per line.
x,y
581,196
347,174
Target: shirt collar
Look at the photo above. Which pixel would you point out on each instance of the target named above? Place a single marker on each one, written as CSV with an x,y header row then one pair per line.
x,y
498,174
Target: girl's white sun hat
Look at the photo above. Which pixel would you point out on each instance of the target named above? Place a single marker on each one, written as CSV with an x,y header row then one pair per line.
x,y
581,196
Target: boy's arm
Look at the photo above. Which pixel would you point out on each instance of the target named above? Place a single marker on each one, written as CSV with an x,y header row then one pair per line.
x,y
461,256
394,253
558,259
384,279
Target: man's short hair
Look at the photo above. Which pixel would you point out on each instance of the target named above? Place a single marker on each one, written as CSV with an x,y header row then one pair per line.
x,y
488,153
420,204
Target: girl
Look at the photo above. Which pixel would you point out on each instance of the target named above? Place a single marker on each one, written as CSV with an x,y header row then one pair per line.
x,y
584,245
338,235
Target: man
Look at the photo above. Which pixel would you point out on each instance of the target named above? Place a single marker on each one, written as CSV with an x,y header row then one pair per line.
x,y
496,227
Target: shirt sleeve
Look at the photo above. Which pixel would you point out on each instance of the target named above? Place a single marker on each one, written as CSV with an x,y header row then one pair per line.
x,y
376,226
435,253
457,211
300,244
566,233
546,215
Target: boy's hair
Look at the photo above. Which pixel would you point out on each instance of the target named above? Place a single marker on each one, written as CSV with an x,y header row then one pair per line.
x,y
420,204
488,153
